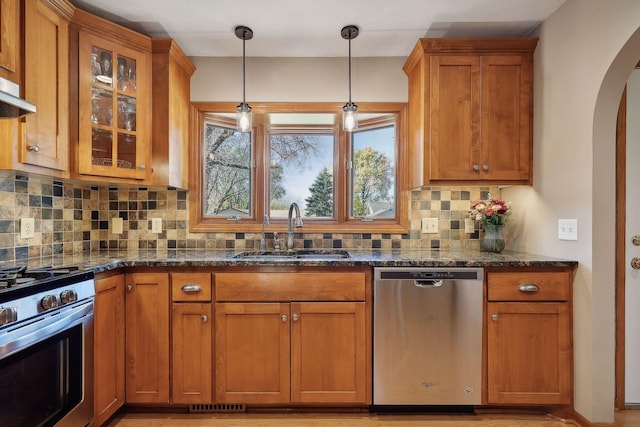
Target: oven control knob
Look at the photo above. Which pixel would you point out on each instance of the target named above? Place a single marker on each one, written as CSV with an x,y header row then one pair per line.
x,y
49,301
68,296
8,315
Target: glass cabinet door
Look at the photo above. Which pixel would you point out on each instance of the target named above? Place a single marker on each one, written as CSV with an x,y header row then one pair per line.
x,y
113,130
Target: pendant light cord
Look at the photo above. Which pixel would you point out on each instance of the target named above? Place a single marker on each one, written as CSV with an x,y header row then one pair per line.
x,y
244,74
349,70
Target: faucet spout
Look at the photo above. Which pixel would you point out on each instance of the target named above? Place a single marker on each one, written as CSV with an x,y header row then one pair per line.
x,y
290,223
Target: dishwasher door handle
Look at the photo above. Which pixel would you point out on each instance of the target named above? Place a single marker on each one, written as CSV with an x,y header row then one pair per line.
x,y
427,283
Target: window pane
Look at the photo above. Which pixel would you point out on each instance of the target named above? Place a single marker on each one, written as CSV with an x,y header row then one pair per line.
x,y
227,172
373,173
301,172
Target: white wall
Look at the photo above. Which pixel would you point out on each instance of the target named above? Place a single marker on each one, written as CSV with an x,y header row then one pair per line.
x,y
577,91
299,80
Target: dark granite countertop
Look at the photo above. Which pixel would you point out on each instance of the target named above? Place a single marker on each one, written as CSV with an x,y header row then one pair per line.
x,y
109,260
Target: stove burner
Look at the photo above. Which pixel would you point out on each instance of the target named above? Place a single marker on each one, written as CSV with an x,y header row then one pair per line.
x,y
21,275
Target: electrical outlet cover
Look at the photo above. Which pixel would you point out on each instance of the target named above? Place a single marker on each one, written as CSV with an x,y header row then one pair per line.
x,y
430,225
27,228
568,229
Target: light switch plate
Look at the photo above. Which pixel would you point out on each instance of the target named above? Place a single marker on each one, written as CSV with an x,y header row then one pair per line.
x,y
430,225
156,225
116,225
469,226
27,228
568,229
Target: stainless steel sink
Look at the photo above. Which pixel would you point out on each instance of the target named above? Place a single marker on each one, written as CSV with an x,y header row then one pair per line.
x,y
310,254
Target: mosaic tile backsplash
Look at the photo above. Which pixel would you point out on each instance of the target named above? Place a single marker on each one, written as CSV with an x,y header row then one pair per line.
x,y
72,217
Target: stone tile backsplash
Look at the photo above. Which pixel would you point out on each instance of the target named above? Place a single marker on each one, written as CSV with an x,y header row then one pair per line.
x,y
72,217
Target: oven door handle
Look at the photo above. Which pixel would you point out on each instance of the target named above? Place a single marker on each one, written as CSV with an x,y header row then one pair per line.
x,y
24,336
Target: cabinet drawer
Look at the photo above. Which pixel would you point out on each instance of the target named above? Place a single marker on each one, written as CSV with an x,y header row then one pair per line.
x,y
190,287
529,286
303,286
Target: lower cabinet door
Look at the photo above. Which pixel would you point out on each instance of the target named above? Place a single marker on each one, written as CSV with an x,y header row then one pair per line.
x,y
252,353
108,321
191,353
529,353
329,353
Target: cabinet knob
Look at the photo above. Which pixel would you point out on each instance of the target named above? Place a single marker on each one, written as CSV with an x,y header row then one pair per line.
x,y
635,240
284,317
129,288
204,318
635,263
485,167
33,148
494,317
528,287
142,167
476,168
295,317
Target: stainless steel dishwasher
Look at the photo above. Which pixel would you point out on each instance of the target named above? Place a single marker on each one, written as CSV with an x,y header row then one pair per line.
x,y
427,336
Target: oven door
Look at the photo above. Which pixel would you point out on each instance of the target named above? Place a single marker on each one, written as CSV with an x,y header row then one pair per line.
x,y
46,369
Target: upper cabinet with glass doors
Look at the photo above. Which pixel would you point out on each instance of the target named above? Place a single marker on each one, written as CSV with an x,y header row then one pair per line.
x,y
114,101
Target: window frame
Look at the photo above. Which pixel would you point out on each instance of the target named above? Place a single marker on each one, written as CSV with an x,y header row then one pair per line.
x,y
342,223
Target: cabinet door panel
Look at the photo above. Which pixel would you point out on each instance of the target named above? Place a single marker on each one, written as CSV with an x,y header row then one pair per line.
x,y
10,39
147,337
529,353
191,351
328,352
252,353
506,118
108,321
46,85
455,117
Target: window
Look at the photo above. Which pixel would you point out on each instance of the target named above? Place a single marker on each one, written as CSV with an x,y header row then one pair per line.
x,y
297,153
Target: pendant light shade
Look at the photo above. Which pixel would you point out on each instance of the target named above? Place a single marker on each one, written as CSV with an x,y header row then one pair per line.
x,y
350,110
244,117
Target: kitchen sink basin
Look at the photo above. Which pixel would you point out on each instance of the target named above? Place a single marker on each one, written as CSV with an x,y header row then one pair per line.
x,y
311,254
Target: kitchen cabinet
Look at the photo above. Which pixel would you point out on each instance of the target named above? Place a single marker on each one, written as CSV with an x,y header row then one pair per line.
x,y
46,84
40,142
147,337
114,100
529,337
293,337
10,40
191,338
109,353
470,111
172,71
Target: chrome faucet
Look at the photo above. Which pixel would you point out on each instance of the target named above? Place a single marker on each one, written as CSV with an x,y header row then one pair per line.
x,y
298,223
263,242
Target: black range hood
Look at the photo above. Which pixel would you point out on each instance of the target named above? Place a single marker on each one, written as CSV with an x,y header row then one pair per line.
x,y
11,105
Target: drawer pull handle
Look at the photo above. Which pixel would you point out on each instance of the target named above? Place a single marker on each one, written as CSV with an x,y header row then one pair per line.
x,y
191,288
528,287
204,318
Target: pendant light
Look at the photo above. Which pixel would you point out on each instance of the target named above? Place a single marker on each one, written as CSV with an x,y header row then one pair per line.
x,y
243,115
350,110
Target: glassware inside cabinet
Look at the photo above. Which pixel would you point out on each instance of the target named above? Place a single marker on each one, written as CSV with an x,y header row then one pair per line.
x,y
126,112
126,75
101,66
101,107
101,147
126,151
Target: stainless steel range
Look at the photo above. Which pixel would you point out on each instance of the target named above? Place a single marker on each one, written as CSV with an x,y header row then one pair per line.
x,y
46,347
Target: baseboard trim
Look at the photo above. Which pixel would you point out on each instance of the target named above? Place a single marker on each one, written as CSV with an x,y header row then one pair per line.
x,y
583,422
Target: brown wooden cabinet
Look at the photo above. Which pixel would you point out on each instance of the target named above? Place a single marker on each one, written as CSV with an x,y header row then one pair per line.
x,y
109,350
172,71
46,84
39,143
10,40
147,337
293,338
114,100
529,337
470,110
191,338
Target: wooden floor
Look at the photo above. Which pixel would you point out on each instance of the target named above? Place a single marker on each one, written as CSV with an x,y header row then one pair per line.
x,y
623,419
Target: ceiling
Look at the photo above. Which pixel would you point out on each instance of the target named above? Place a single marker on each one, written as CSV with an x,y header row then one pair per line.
x,y
311,28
